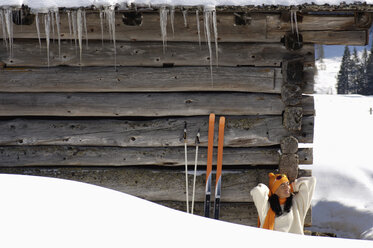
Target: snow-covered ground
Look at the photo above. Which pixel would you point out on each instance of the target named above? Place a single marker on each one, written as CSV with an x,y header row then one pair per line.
x,y
42,212
45,212
343,200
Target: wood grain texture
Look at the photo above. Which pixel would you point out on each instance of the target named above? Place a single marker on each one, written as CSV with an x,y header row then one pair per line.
x,y
241,131
27,54
144,104
13,156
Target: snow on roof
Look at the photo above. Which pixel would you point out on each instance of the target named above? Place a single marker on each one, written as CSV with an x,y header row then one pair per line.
x,y
41,4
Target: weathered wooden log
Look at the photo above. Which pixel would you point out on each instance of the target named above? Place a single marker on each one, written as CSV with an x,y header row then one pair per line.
x,y
26,54
12,156
293,71
261,27
293,41
313,22
144,104
235,212
293,118
289,145
156,185
241,131
145,79
141,79
289,165
350,38
291,94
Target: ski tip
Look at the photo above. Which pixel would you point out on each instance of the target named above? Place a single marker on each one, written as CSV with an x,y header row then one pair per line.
x,y
212,115
222,120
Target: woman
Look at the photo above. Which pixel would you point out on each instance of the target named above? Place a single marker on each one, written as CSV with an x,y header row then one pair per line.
x,y
283,206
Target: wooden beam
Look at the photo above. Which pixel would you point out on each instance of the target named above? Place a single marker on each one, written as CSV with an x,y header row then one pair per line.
x,y
312,22
27,54
241,131
153,184
144,104
350,38
12,156
145,79
141,79
261,27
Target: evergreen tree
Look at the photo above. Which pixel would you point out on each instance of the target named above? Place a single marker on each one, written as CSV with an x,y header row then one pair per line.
x,y
354,75
344,72
362,73
369,74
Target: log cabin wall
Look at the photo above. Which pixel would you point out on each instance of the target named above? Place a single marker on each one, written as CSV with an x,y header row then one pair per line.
x,y
113,113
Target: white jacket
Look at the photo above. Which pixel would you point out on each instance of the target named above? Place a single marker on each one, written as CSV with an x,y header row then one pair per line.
x,y
293,221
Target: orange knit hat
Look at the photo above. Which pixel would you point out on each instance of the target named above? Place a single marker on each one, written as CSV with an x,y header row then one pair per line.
x,y
275,180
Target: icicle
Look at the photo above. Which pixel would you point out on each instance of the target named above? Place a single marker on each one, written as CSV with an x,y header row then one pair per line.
x,y
47,20
5,37
207,19
58,32
37,23
163,23
185,13
69,20
9,29
110,15
172,16
73,20
102,27
216,36
52,23
80,33
85,29
294,22
198,29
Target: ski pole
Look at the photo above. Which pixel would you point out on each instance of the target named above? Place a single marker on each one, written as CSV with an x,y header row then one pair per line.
x,y
219,165
195,170
210,147
186,167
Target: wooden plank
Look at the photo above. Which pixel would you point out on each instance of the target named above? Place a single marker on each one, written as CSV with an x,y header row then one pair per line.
x,y
144,104
260,27
241,131
145,79
27,54
155,185
350,38
12,156
141,79
311,22
243,213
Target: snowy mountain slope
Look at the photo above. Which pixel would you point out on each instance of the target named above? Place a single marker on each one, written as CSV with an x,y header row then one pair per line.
x,y
326,76
45,212
343,200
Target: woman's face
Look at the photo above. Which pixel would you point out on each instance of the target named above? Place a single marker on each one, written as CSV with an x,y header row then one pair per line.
x,y
283,191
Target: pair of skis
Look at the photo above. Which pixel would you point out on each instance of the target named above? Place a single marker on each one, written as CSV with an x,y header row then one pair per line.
x,y
219,165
